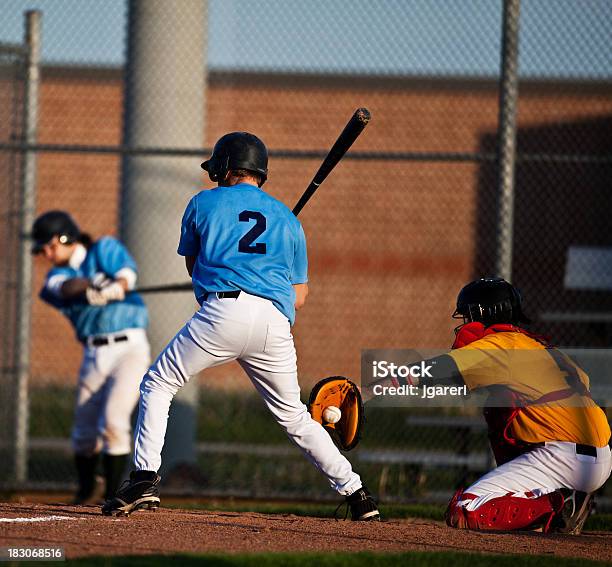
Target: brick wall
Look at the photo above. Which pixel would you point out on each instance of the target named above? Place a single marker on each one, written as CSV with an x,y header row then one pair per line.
x,y
390,243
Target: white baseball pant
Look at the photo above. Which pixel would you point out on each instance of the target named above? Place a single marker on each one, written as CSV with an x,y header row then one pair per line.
x,y
107,393
253,331
541,471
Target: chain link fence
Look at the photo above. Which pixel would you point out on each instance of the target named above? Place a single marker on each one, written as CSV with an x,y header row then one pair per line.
x,y
11,122
408,217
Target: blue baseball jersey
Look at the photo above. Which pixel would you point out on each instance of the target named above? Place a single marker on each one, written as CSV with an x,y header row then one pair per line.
x,y
244,239
107,256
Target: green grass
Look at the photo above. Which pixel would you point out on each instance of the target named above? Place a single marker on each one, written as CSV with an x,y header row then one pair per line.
x,y
599,523
413,559
51,415
51,411
249,422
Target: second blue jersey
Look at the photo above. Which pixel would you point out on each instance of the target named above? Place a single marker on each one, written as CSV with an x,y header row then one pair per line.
x,y
244,239
106,256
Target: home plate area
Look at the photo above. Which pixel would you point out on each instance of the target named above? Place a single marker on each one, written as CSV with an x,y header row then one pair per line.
x,y
83,531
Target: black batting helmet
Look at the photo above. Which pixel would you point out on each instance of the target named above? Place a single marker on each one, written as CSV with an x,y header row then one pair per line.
x,y
53,223
490,300
237,150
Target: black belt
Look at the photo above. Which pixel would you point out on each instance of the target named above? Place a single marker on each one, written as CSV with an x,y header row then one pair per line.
x,y
223,294
586,450
101,341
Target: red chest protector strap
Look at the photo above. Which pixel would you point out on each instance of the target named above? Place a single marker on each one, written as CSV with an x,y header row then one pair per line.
x,y
475,331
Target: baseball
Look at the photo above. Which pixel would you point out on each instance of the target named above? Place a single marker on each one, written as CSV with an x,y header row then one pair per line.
x,y
332,414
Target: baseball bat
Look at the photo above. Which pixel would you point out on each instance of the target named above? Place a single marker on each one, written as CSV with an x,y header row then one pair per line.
x,y
347,137
183,286
351,131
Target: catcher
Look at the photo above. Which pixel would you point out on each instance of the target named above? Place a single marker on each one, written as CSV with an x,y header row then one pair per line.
x,y
549,438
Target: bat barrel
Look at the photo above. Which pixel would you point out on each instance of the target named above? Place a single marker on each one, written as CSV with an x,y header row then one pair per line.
x,y
351,131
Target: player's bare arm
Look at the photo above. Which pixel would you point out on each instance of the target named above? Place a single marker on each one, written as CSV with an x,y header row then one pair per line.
x,y
123,283
445,372
301,293
190,263
74,287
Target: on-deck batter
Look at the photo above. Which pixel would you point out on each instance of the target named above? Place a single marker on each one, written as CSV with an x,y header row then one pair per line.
x,y
88,284
246,253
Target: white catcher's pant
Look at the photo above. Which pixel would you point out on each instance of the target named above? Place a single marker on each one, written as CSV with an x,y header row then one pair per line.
x,y
541,471
107,394
253,331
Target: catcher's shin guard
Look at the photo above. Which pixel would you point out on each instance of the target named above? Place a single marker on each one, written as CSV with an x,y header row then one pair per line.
x,y
505,513
140,491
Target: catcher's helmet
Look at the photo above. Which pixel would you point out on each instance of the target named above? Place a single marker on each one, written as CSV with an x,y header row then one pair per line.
x,y
53,223
237,150
490,300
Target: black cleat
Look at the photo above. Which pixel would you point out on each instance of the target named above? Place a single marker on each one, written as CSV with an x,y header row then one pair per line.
x,y
140,491
362,505
576,509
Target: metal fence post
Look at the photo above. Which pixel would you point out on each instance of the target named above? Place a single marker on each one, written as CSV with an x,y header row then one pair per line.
x,y
164,106
27,211
506,151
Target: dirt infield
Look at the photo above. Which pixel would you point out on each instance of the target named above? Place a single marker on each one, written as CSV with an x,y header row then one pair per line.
x,y
83,531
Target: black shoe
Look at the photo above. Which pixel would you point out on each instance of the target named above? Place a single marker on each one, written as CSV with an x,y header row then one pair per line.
x,y
362,506
576,509
140,491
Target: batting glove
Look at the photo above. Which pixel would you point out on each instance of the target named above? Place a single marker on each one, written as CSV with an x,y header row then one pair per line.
x,y
95,297
113,292
100,280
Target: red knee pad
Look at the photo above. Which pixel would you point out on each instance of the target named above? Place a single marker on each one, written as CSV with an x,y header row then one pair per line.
x,y
455,514
505,513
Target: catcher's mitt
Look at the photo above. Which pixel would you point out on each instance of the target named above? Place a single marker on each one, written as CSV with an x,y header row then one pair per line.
x,y
344,394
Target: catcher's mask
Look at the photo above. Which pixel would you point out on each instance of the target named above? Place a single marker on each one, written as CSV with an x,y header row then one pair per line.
x,y
53,223
490,300
237,150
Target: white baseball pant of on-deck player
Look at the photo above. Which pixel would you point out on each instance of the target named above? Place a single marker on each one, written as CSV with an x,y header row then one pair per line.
x,y
107,393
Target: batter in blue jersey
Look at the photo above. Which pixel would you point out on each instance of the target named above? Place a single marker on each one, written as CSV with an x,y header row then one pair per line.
x,y
246,253
91,283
